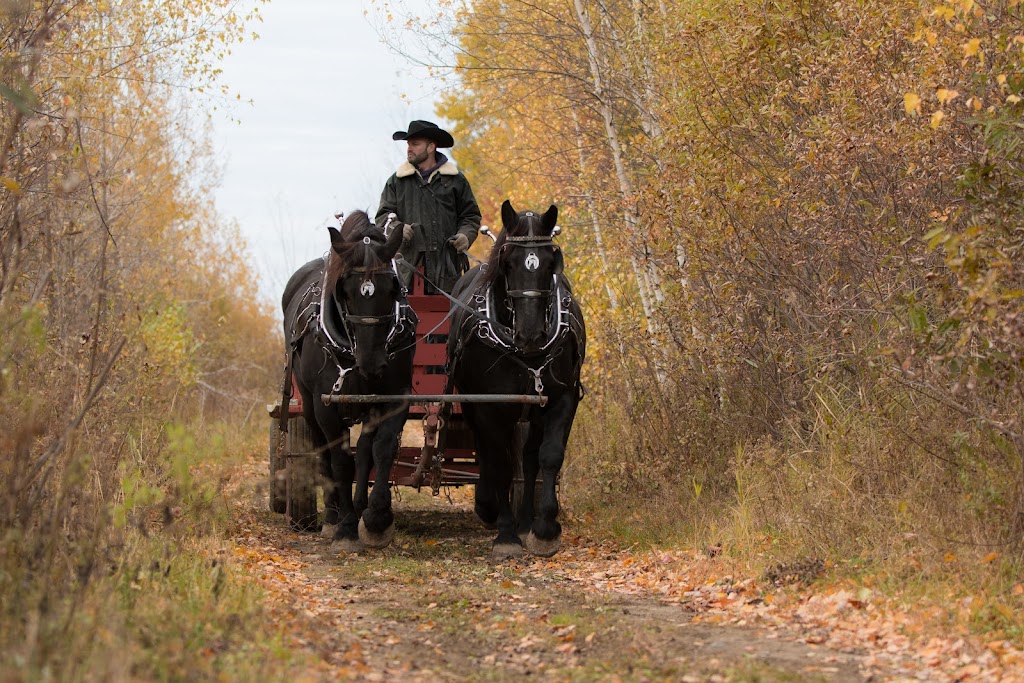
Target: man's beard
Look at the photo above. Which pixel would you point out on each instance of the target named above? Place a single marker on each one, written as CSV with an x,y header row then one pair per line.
x,y
418,159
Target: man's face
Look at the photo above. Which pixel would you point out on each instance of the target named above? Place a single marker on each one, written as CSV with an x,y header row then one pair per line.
x,y
420,149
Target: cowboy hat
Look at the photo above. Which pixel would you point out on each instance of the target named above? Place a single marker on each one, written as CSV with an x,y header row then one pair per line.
x,y
428,130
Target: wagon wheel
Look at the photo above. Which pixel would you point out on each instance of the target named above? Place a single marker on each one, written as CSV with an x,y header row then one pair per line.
x,y
301,477
278,483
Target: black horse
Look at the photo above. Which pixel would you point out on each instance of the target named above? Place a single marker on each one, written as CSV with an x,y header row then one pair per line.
x,y
516,329
343,313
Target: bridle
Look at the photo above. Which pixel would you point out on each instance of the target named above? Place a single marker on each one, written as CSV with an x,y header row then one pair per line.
x,y
395,319
402,322
531,242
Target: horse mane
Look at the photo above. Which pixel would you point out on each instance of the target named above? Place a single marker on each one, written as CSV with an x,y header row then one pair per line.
x,y
353,252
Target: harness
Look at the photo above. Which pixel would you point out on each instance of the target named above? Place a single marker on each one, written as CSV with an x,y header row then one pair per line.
x,y
499,336
561,320
332,325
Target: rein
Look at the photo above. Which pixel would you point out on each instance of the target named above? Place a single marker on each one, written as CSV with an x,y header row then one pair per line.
x,y
469,309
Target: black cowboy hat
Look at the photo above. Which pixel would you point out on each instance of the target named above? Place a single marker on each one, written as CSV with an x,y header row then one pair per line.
x,y
428,130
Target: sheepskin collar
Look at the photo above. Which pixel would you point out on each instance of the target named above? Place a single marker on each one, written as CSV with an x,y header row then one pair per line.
x,y
407,169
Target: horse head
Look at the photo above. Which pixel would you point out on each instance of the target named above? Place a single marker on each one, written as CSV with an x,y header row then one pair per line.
x,y
526,266
365,288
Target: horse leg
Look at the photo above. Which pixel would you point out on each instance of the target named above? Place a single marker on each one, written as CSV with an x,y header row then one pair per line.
x,y
340,469
364,461
546,533
494,452
528,458
346,534
377,526
485,503
332,493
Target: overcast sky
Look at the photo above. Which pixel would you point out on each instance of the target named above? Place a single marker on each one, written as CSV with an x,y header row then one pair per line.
x,y
326,96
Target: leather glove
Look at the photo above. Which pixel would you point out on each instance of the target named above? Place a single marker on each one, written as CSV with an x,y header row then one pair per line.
x,y
407,232
460,242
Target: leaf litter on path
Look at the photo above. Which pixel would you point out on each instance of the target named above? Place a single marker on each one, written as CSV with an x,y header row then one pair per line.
x,y
431,607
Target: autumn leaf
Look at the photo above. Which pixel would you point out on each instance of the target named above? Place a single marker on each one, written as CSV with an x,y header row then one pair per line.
x,y
937,119
912,103
971,47
945,95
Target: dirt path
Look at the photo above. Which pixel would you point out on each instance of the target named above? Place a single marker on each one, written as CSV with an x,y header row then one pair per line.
x,y
432,607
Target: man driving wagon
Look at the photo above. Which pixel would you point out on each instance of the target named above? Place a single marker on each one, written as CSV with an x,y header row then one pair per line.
x,y
434,206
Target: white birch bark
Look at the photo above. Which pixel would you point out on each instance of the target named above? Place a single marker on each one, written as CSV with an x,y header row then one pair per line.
x,y
592,209
625,185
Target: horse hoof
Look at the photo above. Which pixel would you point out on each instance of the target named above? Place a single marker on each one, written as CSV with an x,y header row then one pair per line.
x,y
487,517
327,531
346,545
506,551
376,541
543,548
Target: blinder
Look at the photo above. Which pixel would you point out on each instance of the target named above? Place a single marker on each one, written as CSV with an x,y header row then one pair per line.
x,y
534,242
367,289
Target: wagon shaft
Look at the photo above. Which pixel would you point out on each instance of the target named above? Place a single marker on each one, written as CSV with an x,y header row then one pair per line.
x,y
529,399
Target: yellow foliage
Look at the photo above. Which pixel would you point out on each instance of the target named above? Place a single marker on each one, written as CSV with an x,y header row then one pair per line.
x,y
744,216
169,345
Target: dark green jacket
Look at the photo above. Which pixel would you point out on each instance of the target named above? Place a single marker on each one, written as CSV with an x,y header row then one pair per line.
x,y
439,208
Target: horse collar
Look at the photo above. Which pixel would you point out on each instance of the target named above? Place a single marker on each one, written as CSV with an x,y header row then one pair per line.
x,y
500,336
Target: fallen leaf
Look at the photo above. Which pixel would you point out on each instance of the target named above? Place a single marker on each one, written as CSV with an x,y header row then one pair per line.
x,y
912,103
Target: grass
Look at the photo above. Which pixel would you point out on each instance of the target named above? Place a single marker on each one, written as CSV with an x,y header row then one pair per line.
x,y
916,505
152,593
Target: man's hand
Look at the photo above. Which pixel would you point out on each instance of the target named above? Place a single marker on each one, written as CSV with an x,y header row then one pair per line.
x,y
460,242
407,232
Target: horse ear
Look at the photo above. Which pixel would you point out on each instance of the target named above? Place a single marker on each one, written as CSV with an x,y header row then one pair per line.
x,y
336,238
550,219
387,251
559,261
508,215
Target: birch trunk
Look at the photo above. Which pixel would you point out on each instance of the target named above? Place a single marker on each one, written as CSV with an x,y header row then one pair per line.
x,y
643,275
592,209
